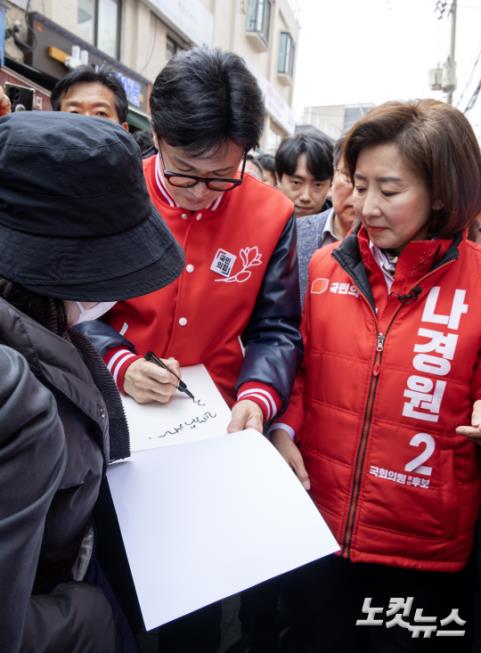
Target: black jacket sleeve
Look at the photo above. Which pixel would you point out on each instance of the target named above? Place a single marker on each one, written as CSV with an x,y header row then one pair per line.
x,y
32,463
272,340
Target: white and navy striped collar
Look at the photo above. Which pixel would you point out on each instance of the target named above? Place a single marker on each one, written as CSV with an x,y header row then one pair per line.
x,y
161,188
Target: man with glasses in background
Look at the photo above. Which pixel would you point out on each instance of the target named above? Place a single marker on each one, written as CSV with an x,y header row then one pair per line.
x,y
235,306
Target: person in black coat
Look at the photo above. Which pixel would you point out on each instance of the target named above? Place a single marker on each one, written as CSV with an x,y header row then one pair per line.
x,y
77,233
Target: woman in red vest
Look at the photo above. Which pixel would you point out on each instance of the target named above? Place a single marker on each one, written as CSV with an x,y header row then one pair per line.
x,y
392,335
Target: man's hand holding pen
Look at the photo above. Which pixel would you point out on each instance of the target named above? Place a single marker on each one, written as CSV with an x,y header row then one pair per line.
x,y
181,385
153,379
147,382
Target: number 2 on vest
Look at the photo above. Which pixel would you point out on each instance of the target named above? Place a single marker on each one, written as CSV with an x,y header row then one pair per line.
x,y
416,464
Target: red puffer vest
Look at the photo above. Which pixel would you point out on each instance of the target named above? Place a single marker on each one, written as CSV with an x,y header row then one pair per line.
x,y
386,380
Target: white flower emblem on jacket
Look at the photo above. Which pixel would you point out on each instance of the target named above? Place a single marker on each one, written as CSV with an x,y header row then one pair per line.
x,y
250,257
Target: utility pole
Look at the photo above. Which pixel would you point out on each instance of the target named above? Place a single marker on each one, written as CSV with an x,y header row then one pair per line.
x,y
451,62
443,78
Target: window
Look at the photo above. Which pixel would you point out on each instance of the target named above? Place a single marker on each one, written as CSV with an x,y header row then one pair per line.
x,y
86,20
172,47
108,26
98,24
286,55
259,18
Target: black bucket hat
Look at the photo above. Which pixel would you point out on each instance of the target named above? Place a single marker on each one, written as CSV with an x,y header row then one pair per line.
x,y
76,220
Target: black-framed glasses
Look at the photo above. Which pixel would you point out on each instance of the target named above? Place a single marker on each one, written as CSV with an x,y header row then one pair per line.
x,y
182,180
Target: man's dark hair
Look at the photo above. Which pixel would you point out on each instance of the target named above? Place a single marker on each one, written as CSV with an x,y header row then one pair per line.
x,y
268,163
87,75
205,97
318,149
145,142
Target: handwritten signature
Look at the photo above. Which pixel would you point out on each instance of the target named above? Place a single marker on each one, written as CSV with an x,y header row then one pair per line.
x,y
187,424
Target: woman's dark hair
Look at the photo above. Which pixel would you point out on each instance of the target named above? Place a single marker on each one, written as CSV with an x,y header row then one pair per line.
x,y
49,312
437,142
474,231
87,75
205,97
318,149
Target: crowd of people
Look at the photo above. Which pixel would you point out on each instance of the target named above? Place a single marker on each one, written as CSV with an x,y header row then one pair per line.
x,y
190,243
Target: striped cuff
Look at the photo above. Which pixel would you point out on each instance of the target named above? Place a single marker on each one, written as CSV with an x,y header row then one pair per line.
x,y
263,395
118,360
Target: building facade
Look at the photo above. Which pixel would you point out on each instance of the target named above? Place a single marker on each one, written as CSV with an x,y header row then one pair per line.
x,y
47,38
334,119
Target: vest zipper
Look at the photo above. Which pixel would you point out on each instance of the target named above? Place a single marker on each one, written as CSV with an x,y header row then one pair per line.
x,y
361,452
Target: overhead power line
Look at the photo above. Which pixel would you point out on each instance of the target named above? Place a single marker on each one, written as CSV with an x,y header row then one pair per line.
x,y
473,99
471,74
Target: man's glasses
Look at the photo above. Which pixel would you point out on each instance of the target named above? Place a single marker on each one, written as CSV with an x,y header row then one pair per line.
x,y
182,180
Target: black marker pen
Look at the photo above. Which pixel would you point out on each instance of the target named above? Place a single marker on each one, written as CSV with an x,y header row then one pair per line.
x,y
152,358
